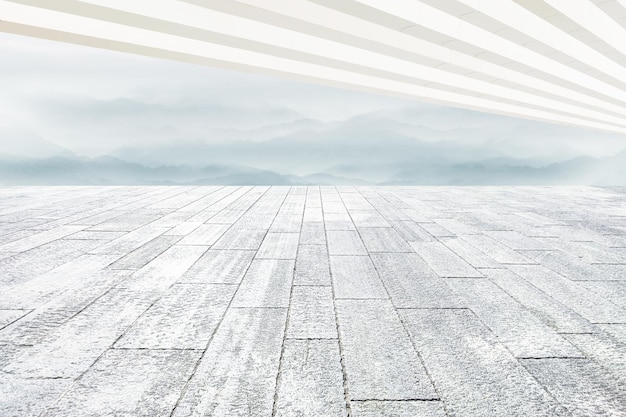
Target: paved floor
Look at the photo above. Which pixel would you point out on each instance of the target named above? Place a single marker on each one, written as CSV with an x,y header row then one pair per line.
x,y
318,301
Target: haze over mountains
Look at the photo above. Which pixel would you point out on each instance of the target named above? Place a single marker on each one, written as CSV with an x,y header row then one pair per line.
x,y
76,115
380,147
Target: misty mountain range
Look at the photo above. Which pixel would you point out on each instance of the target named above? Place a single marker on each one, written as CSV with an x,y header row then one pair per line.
x,y
383,147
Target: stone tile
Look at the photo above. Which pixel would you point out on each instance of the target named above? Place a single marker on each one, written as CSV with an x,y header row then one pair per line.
x,y
29,397
207,234
437,230
473,373
616,331
344,243
604,350
312,266
267,283
9,316
515,327
368,218
378,355
572,267
74,346
287,223
589,305
411,283
279,246
313,233
164,270
397,409
338,222
39,239
613,291
237,374
145,253
219,267
549,310
311,380
129,382
497,251
238,238
379,239
412,231
81,271
185,318
516,240
355,277
443,261
312,314
183,229
130,241
583,387
470,254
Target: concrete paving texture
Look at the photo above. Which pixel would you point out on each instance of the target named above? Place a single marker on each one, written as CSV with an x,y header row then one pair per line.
x,y
312,301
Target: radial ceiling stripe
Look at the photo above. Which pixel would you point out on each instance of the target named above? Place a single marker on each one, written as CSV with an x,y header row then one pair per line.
x,y
364,45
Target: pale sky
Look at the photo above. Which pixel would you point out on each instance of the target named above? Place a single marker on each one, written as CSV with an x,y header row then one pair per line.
x,y
94,102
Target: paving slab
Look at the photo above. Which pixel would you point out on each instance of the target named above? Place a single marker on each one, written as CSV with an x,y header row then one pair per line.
x,y
473,373
185,318
312,265
580,385
379,358
142,383
29,397
411,283
524,334
311,380
267,283
237,374
279,246
356,277
383,239
312,313
219,267
344,242
360,301
443,261
375,408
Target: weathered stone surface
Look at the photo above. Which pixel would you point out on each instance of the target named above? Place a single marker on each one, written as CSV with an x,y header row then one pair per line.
x,y
517,328
74,346
142,383
582,386
312,265
219,267
279,246
185,318
474,374
588,304
344,242
237,374
267,283
550,311
379,358
374,408
383,239
311,381
355,277
145,253
411,283
312,301
312,313
443,261
28,397
207,234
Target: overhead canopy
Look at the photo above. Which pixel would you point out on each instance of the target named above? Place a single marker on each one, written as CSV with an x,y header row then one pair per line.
x,y
562,61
